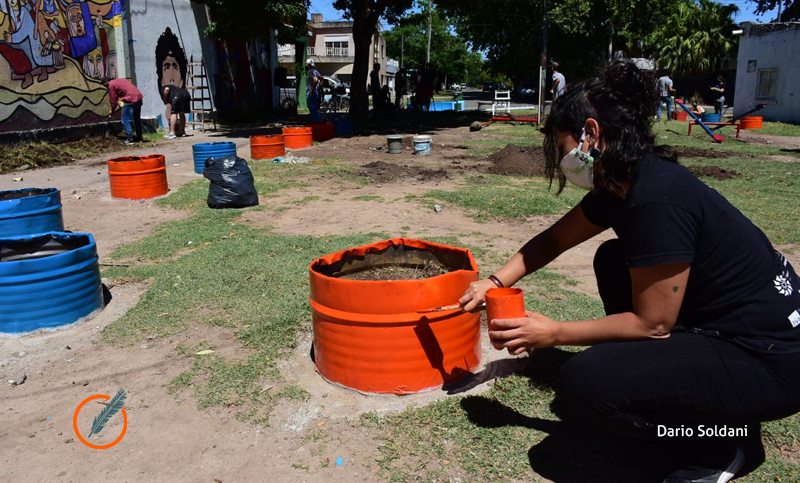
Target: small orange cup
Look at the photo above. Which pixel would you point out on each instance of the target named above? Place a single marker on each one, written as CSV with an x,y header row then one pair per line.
x,y
504,303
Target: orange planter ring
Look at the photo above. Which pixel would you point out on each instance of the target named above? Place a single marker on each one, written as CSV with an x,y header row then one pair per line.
x,y
138,177
752,122
374,336
297,137
267,147
679,116
322,131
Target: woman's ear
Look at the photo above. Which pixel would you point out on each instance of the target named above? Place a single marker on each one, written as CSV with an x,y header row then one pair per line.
x,y
593,132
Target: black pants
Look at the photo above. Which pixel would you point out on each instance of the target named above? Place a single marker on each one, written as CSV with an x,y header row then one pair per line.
x,y
643,389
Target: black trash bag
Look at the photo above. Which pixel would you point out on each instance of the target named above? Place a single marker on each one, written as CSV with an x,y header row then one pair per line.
x,y
232,183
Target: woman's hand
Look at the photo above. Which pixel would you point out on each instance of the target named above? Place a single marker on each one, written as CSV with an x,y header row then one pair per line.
x,y
534,331
475,294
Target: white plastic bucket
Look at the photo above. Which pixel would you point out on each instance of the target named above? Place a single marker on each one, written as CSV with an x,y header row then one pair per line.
x,y
422,145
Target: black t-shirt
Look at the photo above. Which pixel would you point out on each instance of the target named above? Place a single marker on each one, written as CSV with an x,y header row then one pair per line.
x,y
739,286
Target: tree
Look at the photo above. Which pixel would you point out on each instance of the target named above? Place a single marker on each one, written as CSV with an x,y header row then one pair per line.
x,y
253,19
696,38
365,15
450,53
789,9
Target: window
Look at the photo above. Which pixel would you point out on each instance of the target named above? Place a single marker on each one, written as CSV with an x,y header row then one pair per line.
x,y
767,87
337,47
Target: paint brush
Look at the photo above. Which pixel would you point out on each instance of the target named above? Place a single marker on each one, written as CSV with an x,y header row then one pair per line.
x,y
450,307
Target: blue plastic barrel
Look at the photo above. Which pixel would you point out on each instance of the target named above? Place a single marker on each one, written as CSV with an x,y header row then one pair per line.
x,y
342,127
203,151
708,117
30,210
48,280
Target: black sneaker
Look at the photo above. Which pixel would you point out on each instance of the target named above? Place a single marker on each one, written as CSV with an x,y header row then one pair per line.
x,y
698,474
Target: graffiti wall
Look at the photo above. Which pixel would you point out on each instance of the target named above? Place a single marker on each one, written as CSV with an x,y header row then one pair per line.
x,y
53,54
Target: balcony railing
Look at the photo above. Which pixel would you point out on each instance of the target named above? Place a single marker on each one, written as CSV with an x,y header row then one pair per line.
x,y
337,52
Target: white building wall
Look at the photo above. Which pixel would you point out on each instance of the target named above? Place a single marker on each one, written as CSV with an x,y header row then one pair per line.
x,y
764,46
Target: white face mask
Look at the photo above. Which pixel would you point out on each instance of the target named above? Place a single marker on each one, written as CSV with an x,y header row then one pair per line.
x,y
578,166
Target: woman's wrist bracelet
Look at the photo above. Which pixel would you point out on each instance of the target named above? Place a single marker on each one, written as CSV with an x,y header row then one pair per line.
x,y
496,281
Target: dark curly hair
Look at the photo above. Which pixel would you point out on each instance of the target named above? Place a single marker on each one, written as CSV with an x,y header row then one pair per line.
x,y
622,100
168,45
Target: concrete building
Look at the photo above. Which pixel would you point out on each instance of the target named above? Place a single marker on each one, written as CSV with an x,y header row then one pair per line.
x,y
331,46
768,71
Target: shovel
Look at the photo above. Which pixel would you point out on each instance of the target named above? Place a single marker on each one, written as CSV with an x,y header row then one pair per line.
x,y
107,131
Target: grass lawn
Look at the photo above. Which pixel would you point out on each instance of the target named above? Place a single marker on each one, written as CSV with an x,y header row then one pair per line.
x,y
213,268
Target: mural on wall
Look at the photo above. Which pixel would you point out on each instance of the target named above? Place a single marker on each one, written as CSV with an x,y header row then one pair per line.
x,y
53,54
171,63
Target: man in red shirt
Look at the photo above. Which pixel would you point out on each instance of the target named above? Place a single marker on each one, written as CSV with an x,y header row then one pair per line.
x,y
123,93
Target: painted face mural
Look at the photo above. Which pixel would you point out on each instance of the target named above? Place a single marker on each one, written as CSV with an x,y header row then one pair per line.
x,y
75,20
170,72
171,61
93,64
111,64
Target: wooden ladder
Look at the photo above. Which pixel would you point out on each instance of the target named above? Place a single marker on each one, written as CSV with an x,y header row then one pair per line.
x,y
203,111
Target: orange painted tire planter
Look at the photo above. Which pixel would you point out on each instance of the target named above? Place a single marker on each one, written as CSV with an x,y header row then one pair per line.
x,y
322,131
679,116
267,147
297,137
752,122
138,177
371,336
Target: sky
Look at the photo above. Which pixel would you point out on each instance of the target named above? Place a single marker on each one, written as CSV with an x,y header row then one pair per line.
x,y
746,9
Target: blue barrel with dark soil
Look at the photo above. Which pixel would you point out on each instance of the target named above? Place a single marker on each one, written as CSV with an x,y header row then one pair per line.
x,y
30,210
203,151
708,117
48,280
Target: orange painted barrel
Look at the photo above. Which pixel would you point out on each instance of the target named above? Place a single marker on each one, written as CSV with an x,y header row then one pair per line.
x,y
297,137
752,122
679,115
267,147
138,177
322,131
375,336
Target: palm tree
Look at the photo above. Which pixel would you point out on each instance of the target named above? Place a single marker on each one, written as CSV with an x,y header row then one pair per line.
x,y
696,38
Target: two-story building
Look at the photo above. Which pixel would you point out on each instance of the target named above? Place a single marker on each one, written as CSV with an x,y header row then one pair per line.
x,y
331,46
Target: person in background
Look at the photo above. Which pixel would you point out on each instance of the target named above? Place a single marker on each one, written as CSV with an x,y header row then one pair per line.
x,y
122,92
179,101
375,90
559,82
313,90
702,324
665,92
426,86
719,96
401,88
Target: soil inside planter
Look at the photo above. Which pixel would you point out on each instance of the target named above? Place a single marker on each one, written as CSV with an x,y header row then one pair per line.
x,y
395,263
15,195
399,272
40,247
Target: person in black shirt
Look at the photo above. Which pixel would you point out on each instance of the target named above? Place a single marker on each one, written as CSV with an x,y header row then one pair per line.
x,y
178,104
701,340
719,96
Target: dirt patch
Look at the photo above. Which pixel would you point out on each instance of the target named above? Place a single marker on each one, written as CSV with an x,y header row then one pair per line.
x,y
685,152
515,160
383,172
713,172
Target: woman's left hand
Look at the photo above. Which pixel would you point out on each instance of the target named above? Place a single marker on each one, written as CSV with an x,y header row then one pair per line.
x,y
534,331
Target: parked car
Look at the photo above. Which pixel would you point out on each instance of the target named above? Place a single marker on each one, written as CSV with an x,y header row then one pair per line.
x,y
525,91
489,87
287,99
332,83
